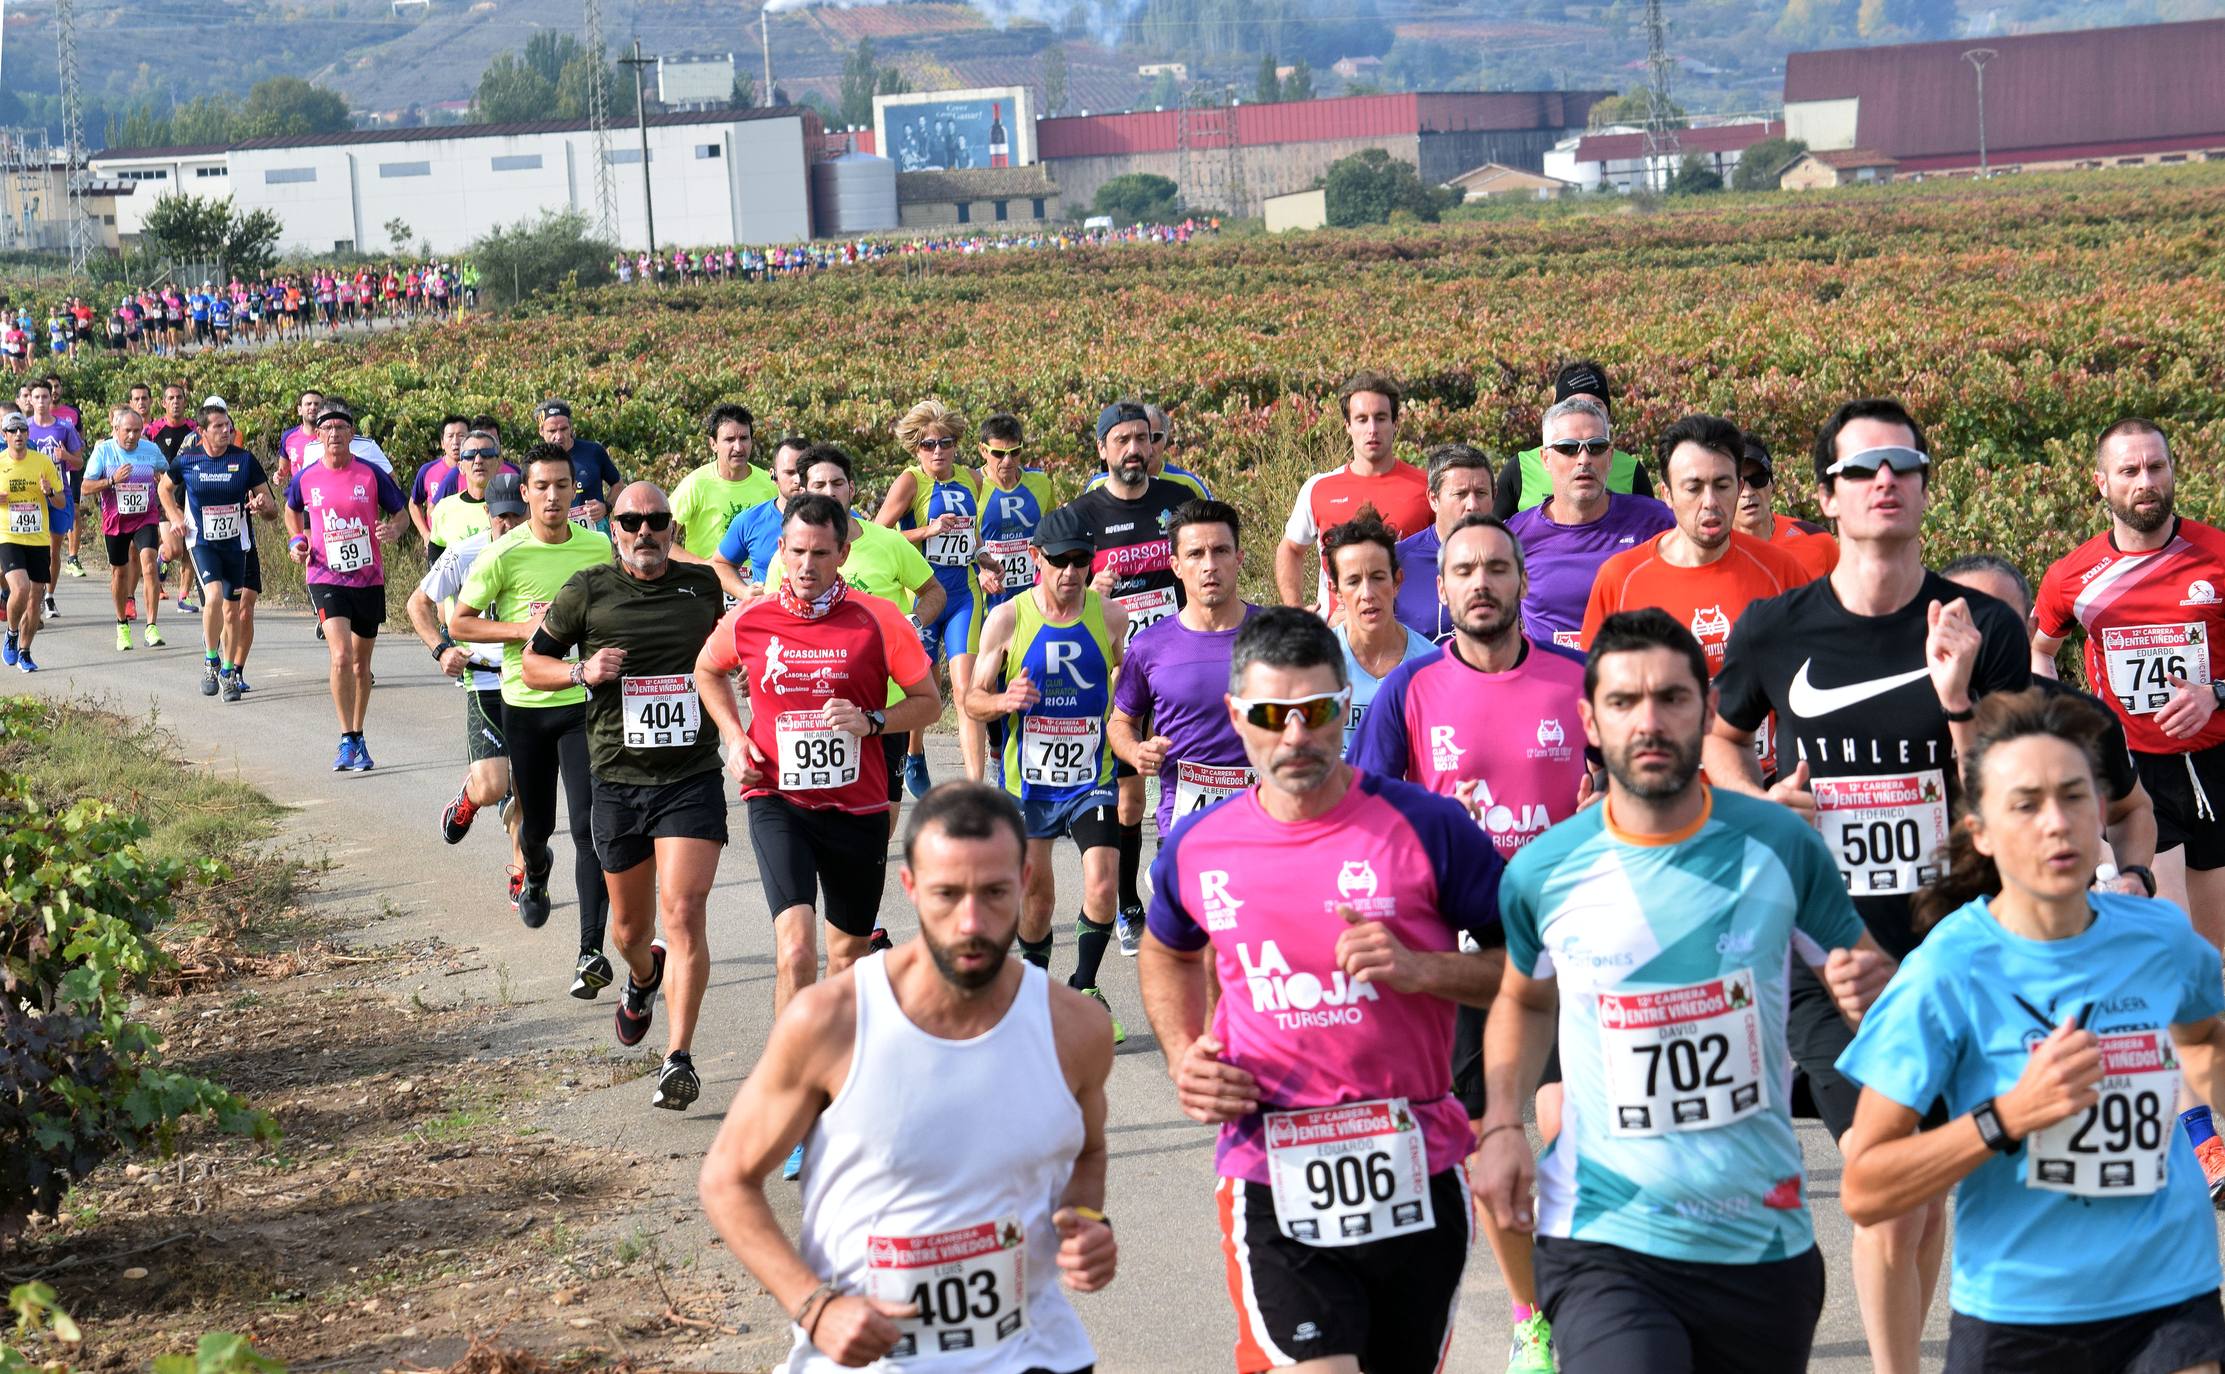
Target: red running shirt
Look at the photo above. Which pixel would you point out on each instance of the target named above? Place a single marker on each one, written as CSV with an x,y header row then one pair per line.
x,y
2148,617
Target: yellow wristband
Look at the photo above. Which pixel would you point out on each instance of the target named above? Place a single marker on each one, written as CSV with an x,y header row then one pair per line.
x,y
1090,1214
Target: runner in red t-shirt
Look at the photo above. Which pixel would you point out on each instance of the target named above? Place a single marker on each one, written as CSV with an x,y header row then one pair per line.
x,y
1812,544
2150,593
1398,491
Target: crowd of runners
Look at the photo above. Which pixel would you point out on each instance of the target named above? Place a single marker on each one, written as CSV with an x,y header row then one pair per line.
x,y
1576,822
735,262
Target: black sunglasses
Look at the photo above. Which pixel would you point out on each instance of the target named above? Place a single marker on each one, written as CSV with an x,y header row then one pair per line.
x,y
478,453
1757,478
631,521
1079,558
937,444
1569,448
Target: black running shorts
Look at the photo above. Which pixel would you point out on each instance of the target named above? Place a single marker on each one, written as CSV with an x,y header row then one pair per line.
x,y
2188,790
801,852
2162,1340
630,818
1615,1310
364,608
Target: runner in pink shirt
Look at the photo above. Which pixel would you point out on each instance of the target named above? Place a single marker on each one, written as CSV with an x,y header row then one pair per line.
x,y
1332,900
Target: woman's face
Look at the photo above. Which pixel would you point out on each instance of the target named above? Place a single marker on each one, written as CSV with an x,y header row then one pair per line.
x,y
2039,818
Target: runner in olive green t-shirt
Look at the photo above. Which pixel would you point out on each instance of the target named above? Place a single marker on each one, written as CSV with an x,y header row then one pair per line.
x,y
708,499
502,600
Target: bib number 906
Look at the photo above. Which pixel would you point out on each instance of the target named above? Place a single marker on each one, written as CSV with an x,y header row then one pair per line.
x,y
1351,1181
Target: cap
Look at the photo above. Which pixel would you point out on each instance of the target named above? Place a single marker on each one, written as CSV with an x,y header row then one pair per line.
x,y
1757,453
1119,413
1061,531
552,406
334,408
506,494
216,403
14,420
1580,379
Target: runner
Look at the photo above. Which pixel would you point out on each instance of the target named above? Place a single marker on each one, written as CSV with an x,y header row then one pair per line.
x,y
708,500
822,659
1014,500
946,1255
1332,900
1581,525
293,445
1702,571
211,494
1491,721
170,431
1872,674
57,436
594,475
1362,554
1374,477
477,668
1757,516
660,801
429,476
1130,518
752,537
1673,1230
1046,666
2054,1022
121,475
501,601
1162,439
33,487
2150,594
356,509
1525,483
1459,486
463,513
936,502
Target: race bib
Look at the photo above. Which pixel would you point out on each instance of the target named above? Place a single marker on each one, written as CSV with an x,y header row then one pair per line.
x,y
131,498
970,1286
26,517
220,523
1886,832
1349,1174
954,547
2142,659
2119,1146
660,712
1061,751
813,755
581,518
1568,639
1146,609
347,548
1199,785
1013,561
1681,1059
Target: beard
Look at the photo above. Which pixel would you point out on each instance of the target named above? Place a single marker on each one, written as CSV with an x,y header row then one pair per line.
x,y
2148,520
946,961
1661,784
1489,624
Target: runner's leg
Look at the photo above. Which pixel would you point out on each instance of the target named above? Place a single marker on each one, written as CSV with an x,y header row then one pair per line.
x,y
150,577
241,630
362,703
340,641
1036,903
686,868
795,954
1100,869
579,809
1896,1270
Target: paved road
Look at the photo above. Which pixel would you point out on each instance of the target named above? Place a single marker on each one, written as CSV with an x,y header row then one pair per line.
x,y
1169,1309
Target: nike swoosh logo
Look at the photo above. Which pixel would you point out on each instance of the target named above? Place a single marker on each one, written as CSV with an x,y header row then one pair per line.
x,y
1808,701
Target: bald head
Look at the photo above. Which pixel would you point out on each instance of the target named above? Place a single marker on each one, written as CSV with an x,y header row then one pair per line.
x,y
642,531
642,496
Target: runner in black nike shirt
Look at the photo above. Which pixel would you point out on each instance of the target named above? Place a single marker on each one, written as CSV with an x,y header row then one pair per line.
x,y
1874,673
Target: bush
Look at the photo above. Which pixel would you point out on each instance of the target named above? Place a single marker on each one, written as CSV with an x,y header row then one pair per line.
x,y
79,1079
1761,164
1694,177
536,256
1370,186
1137,198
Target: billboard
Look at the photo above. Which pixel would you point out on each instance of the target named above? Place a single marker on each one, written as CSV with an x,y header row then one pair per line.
x,y
695,82
945,131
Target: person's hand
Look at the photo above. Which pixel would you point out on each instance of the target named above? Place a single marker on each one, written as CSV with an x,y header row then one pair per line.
x,y
1019,694
854,1330
1087,1252
846,716
594,510
1369,953
1102,583
2057,1080
2127,883
745,762
1791,789
1210,1091
299,553
1502,1172
452,661
1951,644
942,524
1856,977
258,503
1587,790
1151,755
602,665
2187,713
992,580
173,545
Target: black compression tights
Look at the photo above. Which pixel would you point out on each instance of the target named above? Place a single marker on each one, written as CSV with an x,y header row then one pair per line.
x,y
545,742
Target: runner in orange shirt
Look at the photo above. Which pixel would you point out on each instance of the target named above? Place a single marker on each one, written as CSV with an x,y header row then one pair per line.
x,y
1812,544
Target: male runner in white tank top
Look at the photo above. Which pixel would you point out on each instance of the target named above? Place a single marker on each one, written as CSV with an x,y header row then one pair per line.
x,y
944,1261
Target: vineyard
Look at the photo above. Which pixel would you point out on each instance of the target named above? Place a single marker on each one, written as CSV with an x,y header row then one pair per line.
x,y
2016,319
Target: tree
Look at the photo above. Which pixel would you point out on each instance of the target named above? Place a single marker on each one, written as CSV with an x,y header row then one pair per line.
x,y
186,228
1633,107
1368,186
510,92
1268,88
860,78
892,81
533,256
1759,166
291,106
744,94
550,51
1694,177
397,229
251,243
1054,78
574,87
1137,198
1165,94
1299,84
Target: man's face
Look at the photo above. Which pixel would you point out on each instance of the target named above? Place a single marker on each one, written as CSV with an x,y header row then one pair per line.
x,y
2136,480
1987,582
1889,505
18,440
1757,496
1702,491
336,435
216,432
557,429
785,474
41,403
1646,716
1365,583
1460,492
967,892
828,479
1207,562
1294,759
1126,451
1480,582
645,551
141,398
1003,458
1371,423
127,426
1067,575
1576,456
811,555
730,446
452,439
549,492
173,403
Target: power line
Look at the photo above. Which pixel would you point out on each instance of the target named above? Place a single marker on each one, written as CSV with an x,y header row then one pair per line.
x,y
73,133
598,125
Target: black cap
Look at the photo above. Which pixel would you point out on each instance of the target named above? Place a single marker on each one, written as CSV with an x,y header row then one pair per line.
x,y
1119,413
333,408
553,406
1581,378
505,494
1757,453
1062,531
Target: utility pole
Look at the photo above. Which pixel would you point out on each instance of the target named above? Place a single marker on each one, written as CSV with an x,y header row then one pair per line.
x,y
598,127
1661,139
1977,58
641,115
73,133
765,41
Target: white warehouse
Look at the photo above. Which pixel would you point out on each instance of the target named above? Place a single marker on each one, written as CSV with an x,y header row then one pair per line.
x,y
719,176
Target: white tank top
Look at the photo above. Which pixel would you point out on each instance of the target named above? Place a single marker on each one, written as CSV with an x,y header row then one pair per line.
x,y
931,1178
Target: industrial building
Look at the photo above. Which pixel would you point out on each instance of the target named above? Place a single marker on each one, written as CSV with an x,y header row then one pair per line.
x,y
2147,93
1624,161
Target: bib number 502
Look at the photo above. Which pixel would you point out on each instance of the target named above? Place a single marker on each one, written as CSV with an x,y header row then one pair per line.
x,y
1683,1058
1351,1181
947,1300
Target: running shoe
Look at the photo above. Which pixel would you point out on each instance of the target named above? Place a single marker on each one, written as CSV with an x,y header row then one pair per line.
x,y
879,941
677,1084
209,683
154,637
240,677
53,612
189,606
637,1003
1532,1348
123,637
916,780
533,893
1128,928
1120,1032
517,881
73,567
455,822
793,1169
8,649
590,975
345,759
359,760
23,663
131,608
233,686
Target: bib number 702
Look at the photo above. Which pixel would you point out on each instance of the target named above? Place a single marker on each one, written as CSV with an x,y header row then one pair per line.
x,y
1683,1058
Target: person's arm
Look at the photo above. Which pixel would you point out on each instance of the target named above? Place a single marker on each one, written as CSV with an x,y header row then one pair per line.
x,y
2044,649
1855,975
2129,826
898,504
1088,1255
393,502
928,599
1368,952
730,579
106,476
921,707
2201,1046
1516,1040
424,618
1174,1000
1146,756
715,665
1290,572
173,502
980,698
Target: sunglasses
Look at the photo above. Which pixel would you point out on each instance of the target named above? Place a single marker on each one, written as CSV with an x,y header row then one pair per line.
x,y
1569,448
1158,436
478,453
1000,454
1079,559
1757,479
1269,713
936,444
1861,467
632,521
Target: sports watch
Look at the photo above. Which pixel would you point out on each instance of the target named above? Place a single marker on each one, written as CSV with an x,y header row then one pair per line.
x,y
878,720
1990,1130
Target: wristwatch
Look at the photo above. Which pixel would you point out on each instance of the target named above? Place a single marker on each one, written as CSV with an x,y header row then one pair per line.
x,y
2217,690
1991,1131
443,647
2145,874
878,720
